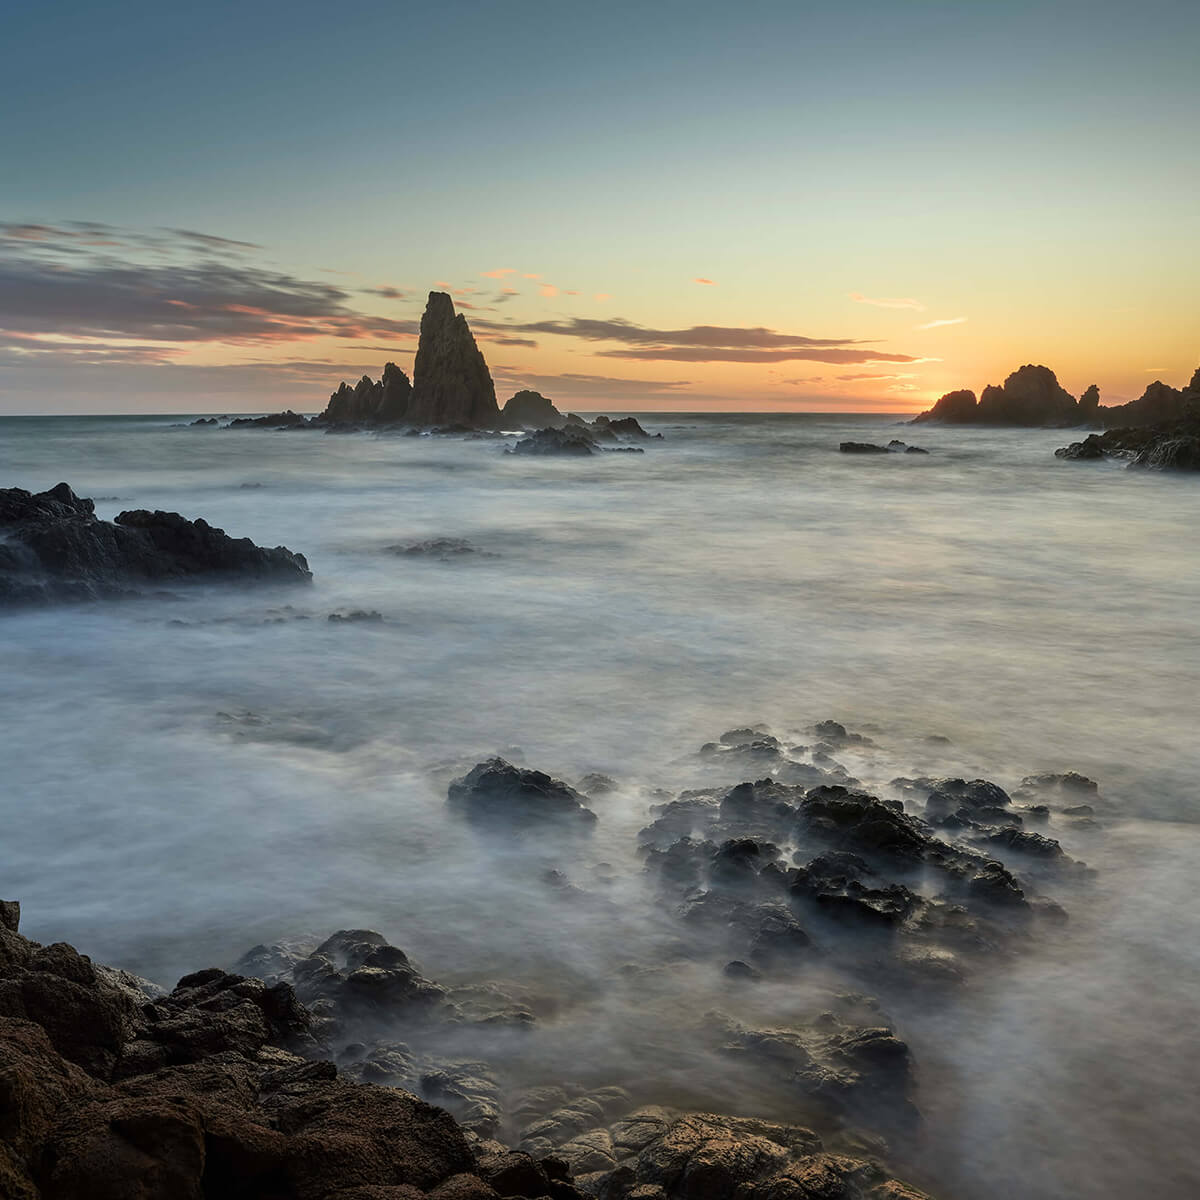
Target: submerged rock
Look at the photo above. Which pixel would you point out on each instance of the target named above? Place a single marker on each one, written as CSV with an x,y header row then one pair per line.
x,y
862,448
569,440
1174,446
55,549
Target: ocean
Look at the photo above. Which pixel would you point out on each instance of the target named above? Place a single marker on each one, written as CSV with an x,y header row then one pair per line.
x,y
192,772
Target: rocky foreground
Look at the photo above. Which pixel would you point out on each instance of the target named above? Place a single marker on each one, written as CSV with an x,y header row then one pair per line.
x,y
54,548
338,1069
1171,446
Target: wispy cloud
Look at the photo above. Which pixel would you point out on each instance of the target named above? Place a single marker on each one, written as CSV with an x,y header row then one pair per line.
x,y
499,273
888,301
869,375
943,321
707,343
706,282
549,290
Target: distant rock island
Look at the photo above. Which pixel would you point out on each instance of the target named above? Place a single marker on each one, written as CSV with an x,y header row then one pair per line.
x,y
1032,396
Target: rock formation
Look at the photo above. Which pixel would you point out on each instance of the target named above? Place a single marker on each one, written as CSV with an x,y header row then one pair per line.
x,y
54,548
451,382
955,408
1158,403
1170,446
531,410
370,403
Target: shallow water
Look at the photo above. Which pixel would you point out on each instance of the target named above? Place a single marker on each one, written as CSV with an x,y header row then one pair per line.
x,y
186,775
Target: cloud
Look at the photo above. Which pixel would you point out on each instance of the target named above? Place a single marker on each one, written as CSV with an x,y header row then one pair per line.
x,y
531,277
805,379
888,302
549,290
600,297
211,242
499,273
943,321
869,375
706,282
56,284
588,387
387,292
705,343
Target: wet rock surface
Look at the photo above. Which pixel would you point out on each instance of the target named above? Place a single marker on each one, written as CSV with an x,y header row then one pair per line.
x,y
1172,446
53,548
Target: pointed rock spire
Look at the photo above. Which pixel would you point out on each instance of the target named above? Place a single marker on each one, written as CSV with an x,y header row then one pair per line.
x,y
451,381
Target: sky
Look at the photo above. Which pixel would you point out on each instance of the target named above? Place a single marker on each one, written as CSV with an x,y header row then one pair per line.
x,y
660,205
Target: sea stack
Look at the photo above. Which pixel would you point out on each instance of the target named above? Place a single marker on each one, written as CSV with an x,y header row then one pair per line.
x,y
451,381
532,410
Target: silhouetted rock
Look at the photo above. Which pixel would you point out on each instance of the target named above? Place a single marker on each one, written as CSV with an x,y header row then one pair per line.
x,y
955,408
1089,403
54,548
1091,447
862,448
1158,403
370,403
531,410
451,381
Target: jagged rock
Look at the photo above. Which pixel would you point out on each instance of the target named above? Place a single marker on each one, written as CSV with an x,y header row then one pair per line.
x,y
531,410
1092,447
1171,446
451,382
498,795
862,448
1157,404
370,403
55,549
1089,403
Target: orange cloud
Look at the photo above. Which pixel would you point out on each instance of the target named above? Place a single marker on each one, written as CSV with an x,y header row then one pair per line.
x,y
602,296
549,289
500,272
706,282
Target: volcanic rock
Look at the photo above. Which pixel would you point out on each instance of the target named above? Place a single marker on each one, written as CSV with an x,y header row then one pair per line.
x,y
497,794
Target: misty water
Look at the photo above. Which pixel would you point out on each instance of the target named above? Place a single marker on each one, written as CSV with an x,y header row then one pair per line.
x,y
188,774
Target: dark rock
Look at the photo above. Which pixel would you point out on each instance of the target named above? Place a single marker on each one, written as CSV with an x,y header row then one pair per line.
x,y
862,448
914,450
54,548
1089,402
531,410
205,421
499,795
1030,396
1159,403
444,548
357,616
385,402
1171,446
279,420
569,440
1092,447
451,381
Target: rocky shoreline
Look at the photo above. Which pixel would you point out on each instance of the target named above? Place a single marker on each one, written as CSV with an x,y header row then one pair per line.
x,y
338,1068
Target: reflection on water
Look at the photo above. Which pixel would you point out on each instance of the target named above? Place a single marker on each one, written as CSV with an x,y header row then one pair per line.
x,y
186,775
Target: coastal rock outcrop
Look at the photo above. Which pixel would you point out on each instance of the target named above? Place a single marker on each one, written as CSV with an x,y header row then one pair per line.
x,y
54,548
1030,396
369,402
1159,403
569,440
1173,446
451,381
531,410
501,796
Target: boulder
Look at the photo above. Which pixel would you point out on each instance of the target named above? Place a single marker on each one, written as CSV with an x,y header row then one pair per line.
x,y
955,408
862,448
569,440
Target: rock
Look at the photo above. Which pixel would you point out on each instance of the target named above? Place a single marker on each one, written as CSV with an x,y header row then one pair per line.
x,y
914,450
445,548
1159,403
1089,402
862,448
501,796
531,410
451,381
1171,446
569,440
223,1109
55,549
955,408
1092,447
279,420
1030,396
205,421
357,616
370,403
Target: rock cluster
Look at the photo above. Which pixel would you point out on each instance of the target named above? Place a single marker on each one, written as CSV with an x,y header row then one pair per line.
x,y
385,402
55,549
1031,395
895,446
1172,446
578,437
